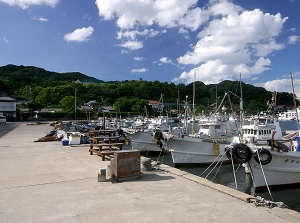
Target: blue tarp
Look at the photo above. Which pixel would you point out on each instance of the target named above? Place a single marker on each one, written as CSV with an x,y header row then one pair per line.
x,y
297,139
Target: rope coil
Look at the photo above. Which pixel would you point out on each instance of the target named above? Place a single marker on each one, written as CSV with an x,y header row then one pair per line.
x,y
259,201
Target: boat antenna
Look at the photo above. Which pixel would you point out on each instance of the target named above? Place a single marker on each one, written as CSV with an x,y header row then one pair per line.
x,y
295,104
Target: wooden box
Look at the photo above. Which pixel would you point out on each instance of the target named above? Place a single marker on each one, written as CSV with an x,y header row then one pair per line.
x,y
126,165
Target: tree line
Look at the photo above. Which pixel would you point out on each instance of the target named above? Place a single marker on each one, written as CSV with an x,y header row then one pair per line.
x,y
43,89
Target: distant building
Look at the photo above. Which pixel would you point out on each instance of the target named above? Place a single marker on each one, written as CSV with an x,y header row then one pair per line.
x,y
8,106
156,105
95,106
51,110
283,108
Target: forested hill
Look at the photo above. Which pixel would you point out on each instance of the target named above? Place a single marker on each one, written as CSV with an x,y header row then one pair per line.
x,y
38,76
45,88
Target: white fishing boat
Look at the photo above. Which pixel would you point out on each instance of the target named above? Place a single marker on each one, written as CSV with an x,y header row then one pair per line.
x,y
206,147
150,140
273,160
144,141
272,165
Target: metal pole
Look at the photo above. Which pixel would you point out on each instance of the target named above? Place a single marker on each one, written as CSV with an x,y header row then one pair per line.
x,y
193,125
295,104
75,103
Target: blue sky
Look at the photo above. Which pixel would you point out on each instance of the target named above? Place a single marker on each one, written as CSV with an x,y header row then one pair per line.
x,y
166,40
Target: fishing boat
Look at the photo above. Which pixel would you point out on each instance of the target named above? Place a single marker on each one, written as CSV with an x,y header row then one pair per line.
x,y
274,165
205,147
273,161
208,145
150,139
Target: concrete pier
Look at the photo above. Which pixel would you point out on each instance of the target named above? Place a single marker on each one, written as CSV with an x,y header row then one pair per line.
x,y
48,182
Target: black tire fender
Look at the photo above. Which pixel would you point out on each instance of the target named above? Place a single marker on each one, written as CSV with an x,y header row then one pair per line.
x,y
241,153
228,151
159,143
265,152
158,135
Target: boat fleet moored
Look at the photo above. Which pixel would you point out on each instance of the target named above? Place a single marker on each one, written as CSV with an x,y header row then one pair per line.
x,y
272,158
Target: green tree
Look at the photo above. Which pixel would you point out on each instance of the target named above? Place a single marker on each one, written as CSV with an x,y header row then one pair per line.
x,y
67,103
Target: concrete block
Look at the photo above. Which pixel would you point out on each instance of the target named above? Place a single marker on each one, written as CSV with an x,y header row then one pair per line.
x,y
102,174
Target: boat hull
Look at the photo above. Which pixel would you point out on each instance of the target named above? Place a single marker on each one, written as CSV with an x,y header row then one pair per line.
x,y
144,141
189,150
282,172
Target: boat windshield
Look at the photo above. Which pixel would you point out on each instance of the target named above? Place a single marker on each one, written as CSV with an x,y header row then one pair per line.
x,y
205,127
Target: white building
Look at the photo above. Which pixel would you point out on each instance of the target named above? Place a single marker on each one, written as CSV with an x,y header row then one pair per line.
x,y
8,106
288,115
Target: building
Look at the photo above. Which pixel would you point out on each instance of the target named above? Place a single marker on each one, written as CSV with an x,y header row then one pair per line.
x,y
156,105
8,106
95,106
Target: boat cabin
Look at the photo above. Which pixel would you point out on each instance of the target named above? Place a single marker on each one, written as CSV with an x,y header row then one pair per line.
x,y
261,129
215,130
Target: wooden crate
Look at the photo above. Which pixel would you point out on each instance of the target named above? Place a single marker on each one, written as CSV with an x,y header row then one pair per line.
x,y
126,165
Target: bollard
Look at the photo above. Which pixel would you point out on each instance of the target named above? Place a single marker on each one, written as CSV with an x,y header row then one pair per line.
x,y
102,174
146,164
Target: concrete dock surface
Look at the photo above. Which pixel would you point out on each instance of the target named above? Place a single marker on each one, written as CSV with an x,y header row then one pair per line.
x,y
48,182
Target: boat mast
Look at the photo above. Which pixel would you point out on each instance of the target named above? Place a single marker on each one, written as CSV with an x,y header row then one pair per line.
x,y
295,104
241,103
216,98
75,106
193,125
186,114
178,105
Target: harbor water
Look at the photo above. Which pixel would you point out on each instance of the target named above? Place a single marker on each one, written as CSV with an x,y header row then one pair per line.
x,y
240,180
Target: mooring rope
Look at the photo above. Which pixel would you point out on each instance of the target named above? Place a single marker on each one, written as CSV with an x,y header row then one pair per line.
x,y
259,201
233,170
263,173
213,163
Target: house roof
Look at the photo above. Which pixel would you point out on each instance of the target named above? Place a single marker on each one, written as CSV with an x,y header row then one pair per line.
x,y
5,97
152,102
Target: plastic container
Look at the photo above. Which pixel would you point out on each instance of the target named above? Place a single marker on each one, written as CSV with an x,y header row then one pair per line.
x,y
65,142
74,139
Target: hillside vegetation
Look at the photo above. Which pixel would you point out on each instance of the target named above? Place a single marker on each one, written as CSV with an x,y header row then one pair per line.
x,y
50,89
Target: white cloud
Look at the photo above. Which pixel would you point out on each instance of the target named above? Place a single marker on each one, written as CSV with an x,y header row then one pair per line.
x,y
282,85
142,70
231,40
146,12
210,72
4,39
293,39
139,58
216,71
132,34
166,60
237,42
264,49
132,45
164,14
79,35
24,4
40,19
